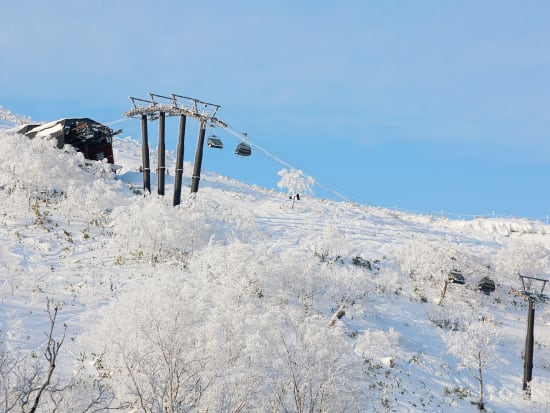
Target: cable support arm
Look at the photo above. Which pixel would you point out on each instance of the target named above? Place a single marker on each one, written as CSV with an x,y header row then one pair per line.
x,y
198,104
134,99
172,99
218,122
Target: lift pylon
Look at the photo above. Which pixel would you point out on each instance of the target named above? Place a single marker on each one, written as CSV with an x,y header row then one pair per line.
x,y
158,107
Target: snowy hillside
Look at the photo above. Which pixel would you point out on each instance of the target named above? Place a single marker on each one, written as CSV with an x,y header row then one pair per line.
x,y
235,301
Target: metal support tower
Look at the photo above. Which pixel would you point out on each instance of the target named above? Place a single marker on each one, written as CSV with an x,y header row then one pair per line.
x,y
161,155
146,170
179,160
159,106
532,297
198,159
529,341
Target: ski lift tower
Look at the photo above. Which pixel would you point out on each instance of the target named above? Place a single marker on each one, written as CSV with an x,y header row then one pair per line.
x,y
532,295
158,107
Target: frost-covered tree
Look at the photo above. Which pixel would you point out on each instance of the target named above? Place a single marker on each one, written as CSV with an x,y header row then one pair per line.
x,y
230,334
153,353
519,257
312,369
296,182
377,348
26,381
475,348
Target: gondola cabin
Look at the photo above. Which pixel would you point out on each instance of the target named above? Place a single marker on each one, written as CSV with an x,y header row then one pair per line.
x,y
486,286
456,277
214,142
243,149
93,139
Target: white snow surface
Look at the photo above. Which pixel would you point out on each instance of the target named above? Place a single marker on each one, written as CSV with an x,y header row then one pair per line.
x,y
232,295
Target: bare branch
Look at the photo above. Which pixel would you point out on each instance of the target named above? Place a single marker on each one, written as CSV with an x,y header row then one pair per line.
x,y
51,353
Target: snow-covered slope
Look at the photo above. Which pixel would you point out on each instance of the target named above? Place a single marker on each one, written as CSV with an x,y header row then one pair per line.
x,y
236,301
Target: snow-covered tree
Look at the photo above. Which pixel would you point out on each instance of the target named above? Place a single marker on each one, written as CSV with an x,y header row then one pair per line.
x,y
475,348
519,257
242,308
296,182
26,381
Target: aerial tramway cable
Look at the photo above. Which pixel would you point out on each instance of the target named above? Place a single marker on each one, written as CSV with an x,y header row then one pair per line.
x,y
244,149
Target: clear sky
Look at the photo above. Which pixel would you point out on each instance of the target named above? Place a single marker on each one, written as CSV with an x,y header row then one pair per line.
x,y
426,106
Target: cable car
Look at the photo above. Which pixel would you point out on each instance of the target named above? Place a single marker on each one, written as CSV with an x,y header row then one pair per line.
x,y
214,142
456,277
486,285
243,149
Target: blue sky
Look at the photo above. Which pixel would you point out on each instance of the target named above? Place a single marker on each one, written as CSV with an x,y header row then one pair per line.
x,y
426,106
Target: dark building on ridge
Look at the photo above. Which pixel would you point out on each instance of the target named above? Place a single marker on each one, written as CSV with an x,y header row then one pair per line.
x,y
93,139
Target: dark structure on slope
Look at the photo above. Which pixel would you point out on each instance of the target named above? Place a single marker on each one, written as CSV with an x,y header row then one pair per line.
x,y
93,139
486,285
159,107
